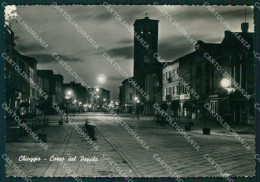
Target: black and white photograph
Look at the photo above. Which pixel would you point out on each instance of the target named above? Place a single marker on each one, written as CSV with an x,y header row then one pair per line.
x,y
129,91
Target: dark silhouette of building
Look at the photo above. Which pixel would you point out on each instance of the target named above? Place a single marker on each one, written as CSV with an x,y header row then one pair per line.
x,y
18,89
203,71
52,85
59,90
127,97
147,69
79,98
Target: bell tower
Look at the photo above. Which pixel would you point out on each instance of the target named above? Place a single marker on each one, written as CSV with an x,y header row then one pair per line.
x,y
147,69
145,46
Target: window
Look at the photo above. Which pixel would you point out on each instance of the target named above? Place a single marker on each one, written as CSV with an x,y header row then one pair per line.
x,y
178,90
165,92
166,75
131,96
170,90
173,71
177,70
173,90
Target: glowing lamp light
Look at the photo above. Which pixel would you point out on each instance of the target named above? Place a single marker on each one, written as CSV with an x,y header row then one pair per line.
x,y
136,98
225,83
69,93
97,89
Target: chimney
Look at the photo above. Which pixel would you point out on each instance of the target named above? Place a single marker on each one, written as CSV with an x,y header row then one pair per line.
x,y
244,27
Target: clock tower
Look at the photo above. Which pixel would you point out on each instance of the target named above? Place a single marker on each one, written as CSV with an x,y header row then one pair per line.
x,y
147,69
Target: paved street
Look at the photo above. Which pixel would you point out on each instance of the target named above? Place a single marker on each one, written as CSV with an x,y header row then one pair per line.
x,y
64,141
130,155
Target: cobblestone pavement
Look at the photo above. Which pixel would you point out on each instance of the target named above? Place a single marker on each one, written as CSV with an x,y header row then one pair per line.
x,y
165,141
65,141
130,156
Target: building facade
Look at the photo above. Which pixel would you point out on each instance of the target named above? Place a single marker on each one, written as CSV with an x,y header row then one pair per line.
x,y
52,85
171,82
127,97
19,92
59,90
79,97
203,72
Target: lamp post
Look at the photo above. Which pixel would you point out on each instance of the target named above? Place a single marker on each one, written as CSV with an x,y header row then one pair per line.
x,y
80,107
68,95
74,110
226,84
117,108
98,102
136,107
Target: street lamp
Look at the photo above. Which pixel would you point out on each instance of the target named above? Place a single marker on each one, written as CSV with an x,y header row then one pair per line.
x,y
98,101
74,110
80,107
136,107
97,89
226,84
68,94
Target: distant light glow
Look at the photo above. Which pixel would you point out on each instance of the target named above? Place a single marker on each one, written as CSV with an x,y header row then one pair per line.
x,y
101,79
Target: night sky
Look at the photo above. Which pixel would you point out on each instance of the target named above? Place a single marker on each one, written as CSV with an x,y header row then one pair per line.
x,y
113,38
